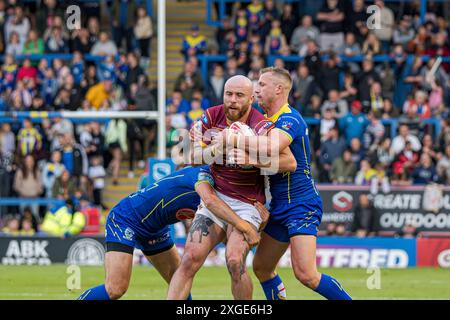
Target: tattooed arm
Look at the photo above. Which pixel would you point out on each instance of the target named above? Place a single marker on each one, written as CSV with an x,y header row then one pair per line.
x,y
221,210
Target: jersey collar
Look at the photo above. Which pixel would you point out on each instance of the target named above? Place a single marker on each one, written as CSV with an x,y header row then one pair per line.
x,y
276,115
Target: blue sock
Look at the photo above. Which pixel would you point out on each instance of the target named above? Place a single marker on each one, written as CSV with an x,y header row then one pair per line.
x,y
96,293
274,289
189,296
331,289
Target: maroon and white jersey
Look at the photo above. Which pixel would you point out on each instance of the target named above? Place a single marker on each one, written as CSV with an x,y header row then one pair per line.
x,y
230,179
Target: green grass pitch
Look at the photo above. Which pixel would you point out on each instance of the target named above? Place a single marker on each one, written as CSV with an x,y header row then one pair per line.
x,y
213,283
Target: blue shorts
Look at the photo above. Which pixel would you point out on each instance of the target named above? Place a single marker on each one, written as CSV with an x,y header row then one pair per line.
x,y
123,236
291,219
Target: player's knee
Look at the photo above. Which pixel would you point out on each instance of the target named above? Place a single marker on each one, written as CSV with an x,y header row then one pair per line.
x,y
190,263
307,278
236,266
116,289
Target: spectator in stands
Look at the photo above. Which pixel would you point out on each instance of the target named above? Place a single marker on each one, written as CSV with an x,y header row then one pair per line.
x,y
343,169
350,48
224,29
439,75
134,71
354,124
429,148
374,132
403,32
389,111
312,58
303,86
331,18
348,92
104,46
425,173
14,46
387,21
7,141
193,44
275,41
12,226
404,164
56,42
399,142
270,13
365,78
77,67
443,166
232,68
303,34
376,97
241,25
34,44
63,221
382,153
288,21
64,186
28,182
214,91
357,151
123,15
81,41
27,72
93,26
255,16
418,106
116,141
135,136
364,221
177,103
420,42
9,69
188,81
374,177
27,215
339,106
52,171
99,93
356,19
371,46
29,140
330,150
97,175
327,122
61,126
328,77
74,156
18,23
143,32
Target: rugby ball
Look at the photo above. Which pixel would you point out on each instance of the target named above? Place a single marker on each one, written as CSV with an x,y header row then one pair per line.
x,y
241,128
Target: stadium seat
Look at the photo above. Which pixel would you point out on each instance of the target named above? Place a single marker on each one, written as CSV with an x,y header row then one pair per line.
x,y
92,221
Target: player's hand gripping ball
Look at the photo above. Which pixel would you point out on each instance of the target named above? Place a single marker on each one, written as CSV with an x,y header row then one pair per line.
x,y
241,130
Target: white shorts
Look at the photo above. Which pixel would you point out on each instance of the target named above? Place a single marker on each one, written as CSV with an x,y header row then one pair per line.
x,y
244,210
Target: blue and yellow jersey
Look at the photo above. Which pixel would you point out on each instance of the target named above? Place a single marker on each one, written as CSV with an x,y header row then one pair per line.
x,y
29,139
295,186
156,206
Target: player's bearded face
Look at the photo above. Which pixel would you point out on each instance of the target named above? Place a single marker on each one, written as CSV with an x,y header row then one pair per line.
x,y
236,104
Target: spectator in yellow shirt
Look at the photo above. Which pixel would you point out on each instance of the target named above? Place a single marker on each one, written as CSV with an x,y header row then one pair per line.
x,y
98,94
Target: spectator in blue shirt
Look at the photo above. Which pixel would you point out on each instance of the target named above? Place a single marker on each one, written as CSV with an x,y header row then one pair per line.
x,y
354,124
425,173
180,104
331,149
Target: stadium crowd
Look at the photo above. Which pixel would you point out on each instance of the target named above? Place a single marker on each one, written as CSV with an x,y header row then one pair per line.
x,y
350,100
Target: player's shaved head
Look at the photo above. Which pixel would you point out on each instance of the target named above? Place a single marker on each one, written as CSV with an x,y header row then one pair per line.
x,y
237,97
244,83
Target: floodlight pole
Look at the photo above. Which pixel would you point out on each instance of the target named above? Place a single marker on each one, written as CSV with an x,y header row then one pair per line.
x,y
161,79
